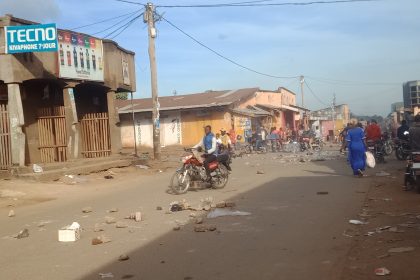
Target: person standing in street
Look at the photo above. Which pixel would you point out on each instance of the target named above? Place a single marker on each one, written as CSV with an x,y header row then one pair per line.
x,y
357,148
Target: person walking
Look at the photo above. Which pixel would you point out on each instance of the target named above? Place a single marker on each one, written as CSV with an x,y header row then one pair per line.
x,y
357,148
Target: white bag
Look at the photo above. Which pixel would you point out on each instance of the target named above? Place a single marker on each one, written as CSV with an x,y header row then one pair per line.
x,y
370,160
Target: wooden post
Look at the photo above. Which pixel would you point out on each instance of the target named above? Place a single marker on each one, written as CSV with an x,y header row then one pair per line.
x,y
114,130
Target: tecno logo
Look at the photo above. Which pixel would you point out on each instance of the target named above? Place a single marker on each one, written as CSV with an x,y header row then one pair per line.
x,y
32,35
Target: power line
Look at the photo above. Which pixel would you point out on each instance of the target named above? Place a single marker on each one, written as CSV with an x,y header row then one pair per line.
x,y
123,27
222,56
131,2
104,20
313,93
256,4
116,24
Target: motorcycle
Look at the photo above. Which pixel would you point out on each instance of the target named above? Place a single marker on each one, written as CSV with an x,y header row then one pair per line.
x,y
412,174
377,149
318,144
388,144
402,149
193,170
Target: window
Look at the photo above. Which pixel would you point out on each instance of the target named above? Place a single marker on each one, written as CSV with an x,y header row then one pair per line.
x,y
413,88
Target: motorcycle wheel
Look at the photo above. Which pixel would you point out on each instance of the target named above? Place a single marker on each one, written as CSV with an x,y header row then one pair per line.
x,y
399,153
180,182
388,149
248,149
220,180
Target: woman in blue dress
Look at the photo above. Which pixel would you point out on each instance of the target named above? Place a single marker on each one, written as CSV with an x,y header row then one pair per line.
x,y
357,149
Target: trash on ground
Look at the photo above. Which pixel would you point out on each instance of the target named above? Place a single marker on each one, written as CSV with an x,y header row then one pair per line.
x,y
221,212
73,179
401,250
135,216
260,172
123,257
37,168
113,210
382,174
382,271
106,275
159,208
24,233
11,213
100,240
69,233
176,206
110,220
176,228
204,228
109,177
143,166
87,209
322,193
357,222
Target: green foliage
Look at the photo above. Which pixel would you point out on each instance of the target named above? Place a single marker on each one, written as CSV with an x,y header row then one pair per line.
x,y
122,95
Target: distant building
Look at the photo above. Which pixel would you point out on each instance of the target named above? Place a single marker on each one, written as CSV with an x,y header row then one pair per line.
x,y
331,121
411,95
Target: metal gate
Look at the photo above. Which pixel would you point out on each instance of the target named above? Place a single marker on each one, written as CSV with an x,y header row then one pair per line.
x,y
52,134
5,141
95,135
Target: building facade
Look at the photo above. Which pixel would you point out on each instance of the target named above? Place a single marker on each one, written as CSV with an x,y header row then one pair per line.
x,y
58,106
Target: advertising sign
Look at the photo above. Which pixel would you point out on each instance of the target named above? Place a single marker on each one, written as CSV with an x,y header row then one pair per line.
x,y
31,38
80,56
126,72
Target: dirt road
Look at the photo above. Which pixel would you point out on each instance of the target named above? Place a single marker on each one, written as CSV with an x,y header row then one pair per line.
x,y
299,212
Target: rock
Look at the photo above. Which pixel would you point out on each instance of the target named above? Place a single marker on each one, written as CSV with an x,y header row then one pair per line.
x,y
135,216
123,257
230,204
110,220
260,172
176,228
382,271
401,250
199,220
211,228
87,210
322,193
121,225
109,177
200,228
113,210
207,208
221,204
11,214
23,234
100,240
159,208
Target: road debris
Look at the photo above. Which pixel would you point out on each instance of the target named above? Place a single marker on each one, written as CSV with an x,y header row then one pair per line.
x,y
70,233
110,220
260,172
159,208
37,168
113,210
87,209
121,225
199,220
73,179
401,250
108,177
106,275
24,233
100,240
135,216
143,166
322,193
98,228
123,257
221,212
221,204
381,229
357,222
176,206
383,271
382,174
230,204
176,228
204,228
383,256
11,214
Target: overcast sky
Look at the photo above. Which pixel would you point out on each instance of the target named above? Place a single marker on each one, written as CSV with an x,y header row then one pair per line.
x,y
362,52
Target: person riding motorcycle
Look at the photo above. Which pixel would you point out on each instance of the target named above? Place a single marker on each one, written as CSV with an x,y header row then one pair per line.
x,y
209,144
400,131
373,132
414,134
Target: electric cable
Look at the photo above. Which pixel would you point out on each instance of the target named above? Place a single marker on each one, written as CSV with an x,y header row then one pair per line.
x,y
123,27
313,93
104,20
116,24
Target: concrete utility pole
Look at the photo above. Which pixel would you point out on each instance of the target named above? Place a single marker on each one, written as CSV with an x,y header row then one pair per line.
x,y
302,80
150,19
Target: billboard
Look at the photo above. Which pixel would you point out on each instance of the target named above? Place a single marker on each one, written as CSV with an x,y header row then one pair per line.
x,y
80,56
31,38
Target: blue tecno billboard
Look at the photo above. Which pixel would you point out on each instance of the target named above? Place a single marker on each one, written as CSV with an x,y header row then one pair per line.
x,y
31,38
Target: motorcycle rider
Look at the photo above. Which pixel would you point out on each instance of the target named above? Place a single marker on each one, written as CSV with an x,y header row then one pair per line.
x,y
403,128
373,132
209,144
414,134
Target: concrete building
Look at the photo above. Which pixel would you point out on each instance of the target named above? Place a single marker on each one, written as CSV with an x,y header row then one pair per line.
x,y
183,117
331,122
411,96
57,106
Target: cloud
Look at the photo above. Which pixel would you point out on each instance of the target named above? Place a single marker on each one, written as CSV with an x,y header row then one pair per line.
x,y
41,11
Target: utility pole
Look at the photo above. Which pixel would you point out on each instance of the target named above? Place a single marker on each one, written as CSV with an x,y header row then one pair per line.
x,y
302,81
333,114
134,126
150,19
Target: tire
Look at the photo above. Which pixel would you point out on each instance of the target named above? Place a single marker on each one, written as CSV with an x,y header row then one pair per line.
x,y
388,149
248,149
399,153
179,184
220,180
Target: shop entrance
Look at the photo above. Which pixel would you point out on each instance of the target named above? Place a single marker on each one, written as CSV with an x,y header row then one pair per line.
x,y
5,141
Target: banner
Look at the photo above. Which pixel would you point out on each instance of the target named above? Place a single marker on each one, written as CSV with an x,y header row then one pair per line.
x,y
80,56
31,38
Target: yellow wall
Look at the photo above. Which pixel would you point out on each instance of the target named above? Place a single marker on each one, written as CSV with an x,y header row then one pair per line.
x,y
193,124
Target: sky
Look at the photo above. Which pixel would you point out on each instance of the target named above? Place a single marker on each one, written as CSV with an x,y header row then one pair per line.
x,y
362,52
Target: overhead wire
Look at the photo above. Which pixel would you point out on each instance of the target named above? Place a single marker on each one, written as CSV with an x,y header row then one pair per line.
x,y
122,28
223,56
104,20
313,93
117,23
349,83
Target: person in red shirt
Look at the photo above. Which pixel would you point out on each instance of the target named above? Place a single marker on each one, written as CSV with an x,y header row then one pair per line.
x,y
373,132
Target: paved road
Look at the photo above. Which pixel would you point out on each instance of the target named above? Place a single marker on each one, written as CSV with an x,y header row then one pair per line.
x,y
293,232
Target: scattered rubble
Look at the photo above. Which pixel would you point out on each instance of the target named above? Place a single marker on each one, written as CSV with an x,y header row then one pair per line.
x,y
24,233
260,172
70,233
109,177
357,222
204,228
100,240
382,271
11,214
121,225
401,250
87,209
110,220
113,210
123,257
199,220
98,228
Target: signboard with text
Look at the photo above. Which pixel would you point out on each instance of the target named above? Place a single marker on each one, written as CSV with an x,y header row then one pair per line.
x,y
31,38
80,56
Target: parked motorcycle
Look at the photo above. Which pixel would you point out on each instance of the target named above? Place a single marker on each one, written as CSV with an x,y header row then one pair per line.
x,y
388,144
377,149
318,144
402,149
193,170
412,174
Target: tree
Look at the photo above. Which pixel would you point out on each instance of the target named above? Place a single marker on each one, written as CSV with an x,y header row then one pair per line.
x,y
121,95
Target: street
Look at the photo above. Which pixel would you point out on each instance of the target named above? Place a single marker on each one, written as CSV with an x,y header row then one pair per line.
x,y
299,211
